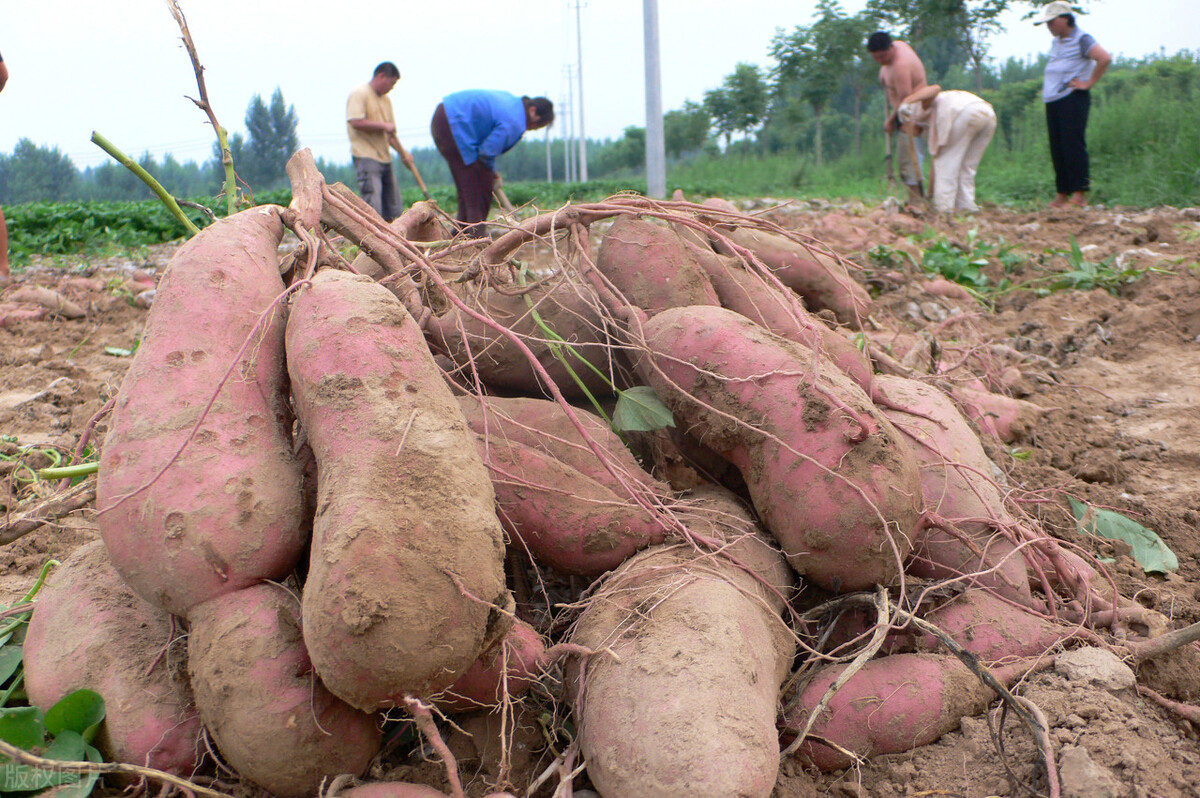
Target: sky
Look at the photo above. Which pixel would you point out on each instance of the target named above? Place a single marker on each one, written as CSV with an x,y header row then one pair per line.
x,y
119,67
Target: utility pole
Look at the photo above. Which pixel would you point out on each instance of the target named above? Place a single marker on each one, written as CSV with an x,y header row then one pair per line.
x,y
549,163
569,133
656,153
583,175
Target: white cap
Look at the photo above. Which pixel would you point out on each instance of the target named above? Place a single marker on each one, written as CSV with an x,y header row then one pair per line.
x,y
1054,10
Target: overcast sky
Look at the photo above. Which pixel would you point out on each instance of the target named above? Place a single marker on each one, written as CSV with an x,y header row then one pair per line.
x,y
119,67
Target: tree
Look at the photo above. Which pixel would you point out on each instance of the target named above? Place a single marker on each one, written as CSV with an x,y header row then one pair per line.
x,y
686,130
719,106
261,157
33,173
817,58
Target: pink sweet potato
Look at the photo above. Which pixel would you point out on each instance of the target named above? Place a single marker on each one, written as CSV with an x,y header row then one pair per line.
x,y
680,697
407,557
507,671
226,512
391,789
545,426
651,267
992,629
90,631
565,519
268,713
829,475
957,485
1006,418
781,312
892,704
821,279
571,315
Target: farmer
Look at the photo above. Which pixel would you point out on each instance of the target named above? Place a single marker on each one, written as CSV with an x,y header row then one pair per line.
x,y
3,227
372,128
901,73
471,128
1076,63
960,126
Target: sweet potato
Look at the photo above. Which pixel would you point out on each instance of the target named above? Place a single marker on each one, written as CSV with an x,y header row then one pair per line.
x,y
651,267
269,714
992,629
391,789
822,280
985,625
477,348
892,704
957,485
406,571
1006,418
226,512
90,631
829,475
545,426
508,670
782,313
565,519
48,298
680,697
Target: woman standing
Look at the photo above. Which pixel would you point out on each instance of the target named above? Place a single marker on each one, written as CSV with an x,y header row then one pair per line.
x,y
960,127
1076,63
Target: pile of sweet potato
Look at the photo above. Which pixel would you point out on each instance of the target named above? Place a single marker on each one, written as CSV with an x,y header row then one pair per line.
x,y
339,498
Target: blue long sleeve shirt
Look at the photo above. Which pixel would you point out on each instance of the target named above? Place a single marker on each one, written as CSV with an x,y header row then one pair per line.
x,y
485,123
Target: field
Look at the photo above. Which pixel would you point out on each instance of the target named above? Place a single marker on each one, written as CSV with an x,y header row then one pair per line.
x,y
1100,310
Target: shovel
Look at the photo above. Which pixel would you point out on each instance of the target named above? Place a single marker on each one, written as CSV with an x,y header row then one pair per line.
x,y
421,183
502,198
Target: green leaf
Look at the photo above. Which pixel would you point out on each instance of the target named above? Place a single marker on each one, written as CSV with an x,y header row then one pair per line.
x,y
80,712
69,747
10,660
22,727
87,781
640,410
1148,548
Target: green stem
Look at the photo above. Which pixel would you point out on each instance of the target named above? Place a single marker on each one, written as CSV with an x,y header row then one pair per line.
x,y
146,178
230,174
557,344
69,472
11,626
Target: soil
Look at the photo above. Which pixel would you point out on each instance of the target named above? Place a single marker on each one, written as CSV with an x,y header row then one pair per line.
x,y
1118,371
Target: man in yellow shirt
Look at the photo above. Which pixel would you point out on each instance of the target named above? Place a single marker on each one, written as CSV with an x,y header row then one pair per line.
x,y
372,129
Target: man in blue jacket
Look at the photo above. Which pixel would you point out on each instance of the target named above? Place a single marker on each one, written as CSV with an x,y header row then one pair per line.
x,y
471,128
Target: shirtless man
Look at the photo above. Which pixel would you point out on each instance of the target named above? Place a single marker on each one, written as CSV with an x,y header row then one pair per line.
x,y
901,73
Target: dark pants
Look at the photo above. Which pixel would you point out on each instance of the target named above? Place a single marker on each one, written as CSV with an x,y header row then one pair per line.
x,y
474,181
377,185
1066,121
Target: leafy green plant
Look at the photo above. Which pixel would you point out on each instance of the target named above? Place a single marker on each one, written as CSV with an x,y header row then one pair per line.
x,y
965,264
1084,275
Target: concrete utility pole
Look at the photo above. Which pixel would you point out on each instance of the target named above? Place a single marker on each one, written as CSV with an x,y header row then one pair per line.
x,y
569,131
656,148
583,176
549,163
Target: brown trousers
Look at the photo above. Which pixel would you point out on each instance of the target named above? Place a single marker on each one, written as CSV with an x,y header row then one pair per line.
x,y
474,181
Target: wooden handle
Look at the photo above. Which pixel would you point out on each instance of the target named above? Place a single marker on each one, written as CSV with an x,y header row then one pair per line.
x,y
413,168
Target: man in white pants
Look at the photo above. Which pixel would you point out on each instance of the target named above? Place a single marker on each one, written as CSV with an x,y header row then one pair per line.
x,y
960,127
